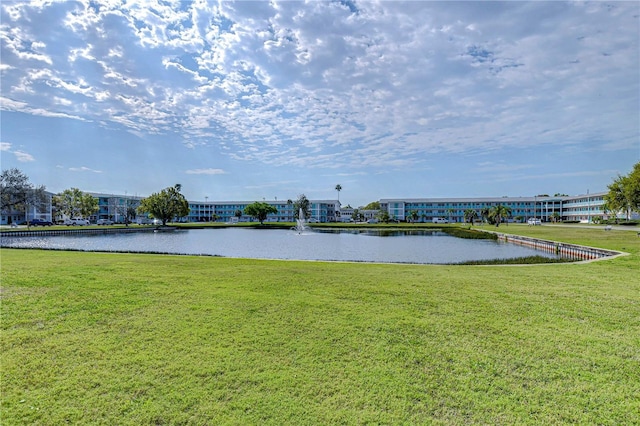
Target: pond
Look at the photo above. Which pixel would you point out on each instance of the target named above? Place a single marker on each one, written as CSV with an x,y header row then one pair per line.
x,y
427,247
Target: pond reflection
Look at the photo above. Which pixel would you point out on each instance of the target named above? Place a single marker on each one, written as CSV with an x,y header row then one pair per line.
x,y
386,246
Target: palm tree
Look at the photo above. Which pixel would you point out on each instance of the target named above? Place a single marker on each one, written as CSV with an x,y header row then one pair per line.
x,y
606,210
470,215
450,212
301,203
485,213
500,212
413,216
338,188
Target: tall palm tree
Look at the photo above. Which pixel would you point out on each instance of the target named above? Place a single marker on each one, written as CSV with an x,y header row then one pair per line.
x,y
338,188
485,213
470,215
500,212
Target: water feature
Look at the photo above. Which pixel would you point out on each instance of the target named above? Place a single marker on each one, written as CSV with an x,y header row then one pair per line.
x,y
301,223
327,245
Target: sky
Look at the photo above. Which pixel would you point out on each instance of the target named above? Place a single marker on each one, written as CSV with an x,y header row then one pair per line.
x,y
252,101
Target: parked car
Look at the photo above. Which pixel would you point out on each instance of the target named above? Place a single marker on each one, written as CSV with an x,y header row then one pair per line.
x,y
439,220
76,222
104,222
39,222
534,221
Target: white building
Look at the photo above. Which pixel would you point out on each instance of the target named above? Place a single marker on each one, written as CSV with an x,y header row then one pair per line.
x,y
582,208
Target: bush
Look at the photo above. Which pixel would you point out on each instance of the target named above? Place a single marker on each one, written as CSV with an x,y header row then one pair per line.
x,y
470,234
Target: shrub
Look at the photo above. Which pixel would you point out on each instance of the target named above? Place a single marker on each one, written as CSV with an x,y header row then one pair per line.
x,y
470,234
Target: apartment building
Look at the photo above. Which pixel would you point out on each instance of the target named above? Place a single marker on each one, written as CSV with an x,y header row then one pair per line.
x,y
114,207
582,208
232,211
32,211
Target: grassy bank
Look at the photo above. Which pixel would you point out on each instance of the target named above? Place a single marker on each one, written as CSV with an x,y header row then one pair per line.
x,y
149,339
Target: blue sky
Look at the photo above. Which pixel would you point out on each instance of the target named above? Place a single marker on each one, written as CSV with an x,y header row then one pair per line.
x,y
265,100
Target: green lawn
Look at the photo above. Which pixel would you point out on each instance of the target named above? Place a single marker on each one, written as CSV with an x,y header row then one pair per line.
x,y
131,339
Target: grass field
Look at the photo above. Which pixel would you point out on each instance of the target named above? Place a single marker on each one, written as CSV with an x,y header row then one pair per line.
x,y
132,339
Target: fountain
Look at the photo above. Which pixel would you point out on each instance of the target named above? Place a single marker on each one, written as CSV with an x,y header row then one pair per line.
x,y
301,223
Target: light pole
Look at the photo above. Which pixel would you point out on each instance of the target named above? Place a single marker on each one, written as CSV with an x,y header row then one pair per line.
x,y
588,207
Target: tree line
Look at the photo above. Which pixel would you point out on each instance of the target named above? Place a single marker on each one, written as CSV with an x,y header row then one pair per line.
x,y
624,193
17,194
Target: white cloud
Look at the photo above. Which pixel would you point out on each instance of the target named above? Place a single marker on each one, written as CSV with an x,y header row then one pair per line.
x,y
21,156
205,172
325,84
84,169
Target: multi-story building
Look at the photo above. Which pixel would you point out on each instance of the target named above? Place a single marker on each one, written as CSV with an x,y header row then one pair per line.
x,y
453,209
231,211
114,207
42,211
581,208
586,207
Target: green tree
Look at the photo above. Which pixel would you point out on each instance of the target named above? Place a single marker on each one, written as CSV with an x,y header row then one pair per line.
x,y
166,204
301,203
470,215
450,212
75,204
624,193
606,209
17,193
616,199
260,210
130,214
383,216
338,188
356,215
374,205
413,216
124,209
499,213
485,214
